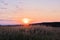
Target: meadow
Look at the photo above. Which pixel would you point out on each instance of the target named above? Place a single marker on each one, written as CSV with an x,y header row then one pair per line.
x,y
33,32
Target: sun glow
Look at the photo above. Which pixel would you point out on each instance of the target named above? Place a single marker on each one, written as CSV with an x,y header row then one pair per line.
x,y
26,20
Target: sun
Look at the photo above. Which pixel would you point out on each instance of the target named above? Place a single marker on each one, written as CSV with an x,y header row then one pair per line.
x,y
26,20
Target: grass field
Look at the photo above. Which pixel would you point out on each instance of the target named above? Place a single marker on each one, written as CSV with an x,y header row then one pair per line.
x,y
36,32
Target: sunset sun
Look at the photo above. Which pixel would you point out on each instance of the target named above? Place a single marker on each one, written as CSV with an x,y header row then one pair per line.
x,y
26,20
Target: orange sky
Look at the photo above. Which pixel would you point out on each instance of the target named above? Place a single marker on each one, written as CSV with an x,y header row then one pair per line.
x,y
37,10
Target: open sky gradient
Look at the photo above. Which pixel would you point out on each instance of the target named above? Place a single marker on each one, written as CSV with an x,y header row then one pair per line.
x,y
37,10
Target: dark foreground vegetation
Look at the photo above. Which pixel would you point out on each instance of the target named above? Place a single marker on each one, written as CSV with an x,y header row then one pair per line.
x,y
33,33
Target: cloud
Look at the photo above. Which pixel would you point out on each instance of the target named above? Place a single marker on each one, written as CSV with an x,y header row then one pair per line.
x,y
7,22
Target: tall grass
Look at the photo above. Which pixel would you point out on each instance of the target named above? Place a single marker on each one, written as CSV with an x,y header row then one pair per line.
x,y
33,33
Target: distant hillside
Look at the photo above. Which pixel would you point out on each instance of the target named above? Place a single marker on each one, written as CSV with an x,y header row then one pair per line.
x,y
53,24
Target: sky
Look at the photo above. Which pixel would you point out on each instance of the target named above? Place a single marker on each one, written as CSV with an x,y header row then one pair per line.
x,y
37,10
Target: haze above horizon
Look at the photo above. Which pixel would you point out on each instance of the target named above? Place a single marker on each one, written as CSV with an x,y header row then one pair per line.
x,y
38,10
